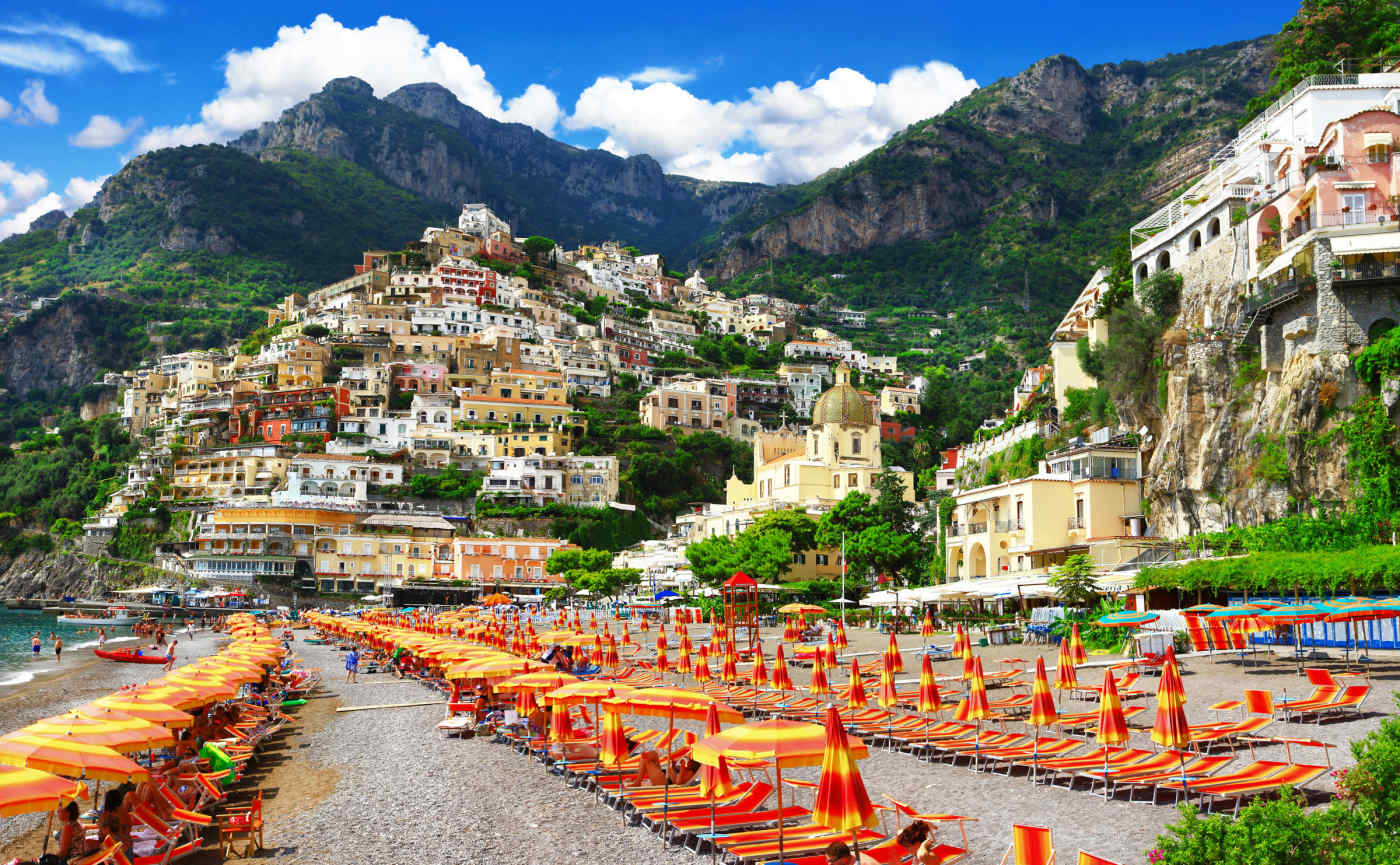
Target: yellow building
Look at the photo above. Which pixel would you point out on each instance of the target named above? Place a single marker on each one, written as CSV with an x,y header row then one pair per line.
x,y
242,544
810,469
1086,499
230,473
527,384
894,400
383,550
1079,322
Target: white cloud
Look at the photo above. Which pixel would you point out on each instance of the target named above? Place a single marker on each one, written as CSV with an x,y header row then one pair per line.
x,y
36,107
80,191
261,82
61,36
47,59
5,109
27,198
140,8
104,131
658,74
782,133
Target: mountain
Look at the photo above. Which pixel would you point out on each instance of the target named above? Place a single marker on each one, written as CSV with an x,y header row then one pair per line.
x,y
1023,182
422,139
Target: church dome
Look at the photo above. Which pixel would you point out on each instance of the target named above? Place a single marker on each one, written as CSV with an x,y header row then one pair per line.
x,y
843,404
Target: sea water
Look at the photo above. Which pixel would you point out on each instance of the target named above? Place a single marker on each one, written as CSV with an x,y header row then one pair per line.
x,y
17,627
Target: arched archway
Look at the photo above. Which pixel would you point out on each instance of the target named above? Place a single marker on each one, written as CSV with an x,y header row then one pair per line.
x,y
1195,240
1141,275
347,489
1164,261
1213,229
1268,226
977,561
1379,328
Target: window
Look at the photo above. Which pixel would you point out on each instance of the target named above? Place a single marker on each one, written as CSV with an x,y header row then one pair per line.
x,y
1354,208
855,444
836,482
822,558
1378,153
853,480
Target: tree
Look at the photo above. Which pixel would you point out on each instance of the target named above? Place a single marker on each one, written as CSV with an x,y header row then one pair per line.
x,y
578,560
315,331
765,556
606,583
536,245
1074,580
850,517
801,529
891,507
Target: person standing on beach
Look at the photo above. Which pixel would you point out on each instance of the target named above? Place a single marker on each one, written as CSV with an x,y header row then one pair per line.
x,y
35,644
101,638
352,666
170,655
58,650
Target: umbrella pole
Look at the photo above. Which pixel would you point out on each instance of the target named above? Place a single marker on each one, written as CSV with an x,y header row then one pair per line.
x,y
1105,774
48,831
666,774
713,846
778,773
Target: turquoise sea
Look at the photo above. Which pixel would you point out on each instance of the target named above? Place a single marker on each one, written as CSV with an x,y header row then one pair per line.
x,y
17,626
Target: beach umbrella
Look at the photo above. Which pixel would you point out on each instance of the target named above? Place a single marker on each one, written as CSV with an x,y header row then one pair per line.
x,y
841,803
644,625
125,706
1066,678
962,646
789,630
683,662
686,646
759,674
121,735
969,664
1076,646
1295,616
525,703
496,598
854,693
1170,729
841,641
893,656
785,744
818,685
662,663
29,791
930,701
1042,707
1126,619
979,708
69,759
1113,727
611,658
702,667
887,697
830,651
714,780
926,626
782,679
801,609
541,680
729,670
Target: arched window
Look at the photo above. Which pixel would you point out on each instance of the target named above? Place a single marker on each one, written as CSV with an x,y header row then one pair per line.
x,y
1195,240
1164,262
1213,229
1142,272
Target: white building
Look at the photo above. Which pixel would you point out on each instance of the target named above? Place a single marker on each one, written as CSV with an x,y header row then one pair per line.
x,y
479,220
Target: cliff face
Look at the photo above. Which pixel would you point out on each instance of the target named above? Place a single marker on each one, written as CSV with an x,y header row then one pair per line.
x,y
421,138
43,354
53,575
1023,158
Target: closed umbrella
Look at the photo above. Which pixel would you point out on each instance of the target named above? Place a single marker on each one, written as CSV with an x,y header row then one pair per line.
x,y
1066,679
1076,646
841,641
702,666
887,697
1113,727
1170,729
782,679
841,802
715,780
818,686
893,656
1042,707
855,690
979,709
930,701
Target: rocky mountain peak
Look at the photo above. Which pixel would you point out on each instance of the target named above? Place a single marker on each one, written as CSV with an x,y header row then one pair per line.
x,y
1054,98
349,85
52,219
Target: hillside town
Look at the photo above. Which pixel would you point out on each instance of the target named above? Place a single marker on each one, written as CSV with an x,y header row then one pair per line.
x,y
474,350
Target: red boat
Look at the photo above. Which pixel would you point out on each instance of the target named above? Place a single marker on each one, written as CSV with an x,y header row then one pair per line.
x,y
129,655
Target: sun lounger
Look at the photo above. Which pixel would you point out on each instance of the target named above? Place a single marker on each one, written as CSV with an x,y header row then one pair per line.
x,y
1072,767
1199,767
1160,761
701,823
1351,697
972,745
1087,858
947,853
1043,748
1255,771
1030,845
1087,720
1246,788
680,800
1227,734
886,852
807,838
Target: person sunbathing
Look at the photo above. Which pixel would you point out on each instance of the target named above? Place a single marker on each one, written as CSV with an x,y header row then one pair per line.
x,y
651,773
916,838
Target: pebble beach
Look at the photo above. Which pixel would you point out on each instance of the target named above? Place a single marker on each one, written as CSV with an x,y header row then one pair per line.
x,y
376,785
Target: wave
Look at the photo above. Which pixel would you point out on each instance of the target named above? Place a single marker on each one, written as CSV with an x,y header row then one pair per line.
x,y
17,679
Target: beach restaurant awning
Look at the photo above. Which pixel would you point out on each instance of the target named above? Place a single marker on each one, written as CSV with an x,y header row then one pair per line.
x,y
1362,244
144,591
1008,587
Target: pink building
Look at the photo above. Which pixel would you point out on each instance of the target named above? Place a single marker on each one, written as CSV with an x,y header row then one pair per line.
x,y
420,377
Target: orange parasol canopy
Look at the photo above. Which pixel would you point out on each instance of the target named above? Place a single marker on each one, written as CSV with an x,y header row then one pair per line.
x,y
1076,647
26,791
782,679
671,703
818,686
892,655
123,705
760,671
702,666
926,626
70,759
887,697
800,609
855,689
978,708
121,735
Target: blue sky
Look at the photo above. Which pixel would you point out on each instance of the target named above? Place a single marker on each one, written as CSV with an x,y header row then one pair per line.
x,y
772,92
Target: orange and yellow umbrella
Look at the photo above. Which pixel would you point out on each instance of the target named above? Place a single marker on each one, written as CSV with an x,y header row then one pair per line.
x,y
729,671
887,697
855,689
929,698
26,791
1065,676
926,626
978,707
830,651
841,803
125,706
539,681
1113,727
663,664
1169,729
70,759
789,630
801,609
1076,647
683,662
760,671
782,679
582,691
818,686
962,646
613,747
967,667
893,656
841,641
702,666
1043,710
671,703
121,735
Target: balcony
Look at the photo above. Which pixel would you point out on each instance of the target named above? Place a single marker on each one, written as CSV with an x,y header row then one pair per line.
x,y
1366,273
976,528
1075,523
1004,526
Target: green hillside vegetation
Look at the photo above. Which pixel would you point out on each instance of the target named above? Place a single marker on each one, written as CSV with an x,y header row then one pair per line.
x,y
64,476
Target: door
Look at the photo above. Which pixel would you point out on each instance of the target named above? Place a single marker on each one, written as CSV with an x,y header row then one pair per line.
x,y
1355,204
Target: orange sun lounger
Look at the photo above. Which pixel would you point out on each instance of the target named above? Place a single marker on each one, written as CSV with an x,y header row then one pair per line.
x,y
1030,845
1290,776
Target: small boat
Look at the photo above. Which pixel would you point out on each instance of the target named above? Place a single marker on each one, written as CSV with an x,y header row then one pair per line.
x,y
105,618
131,656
